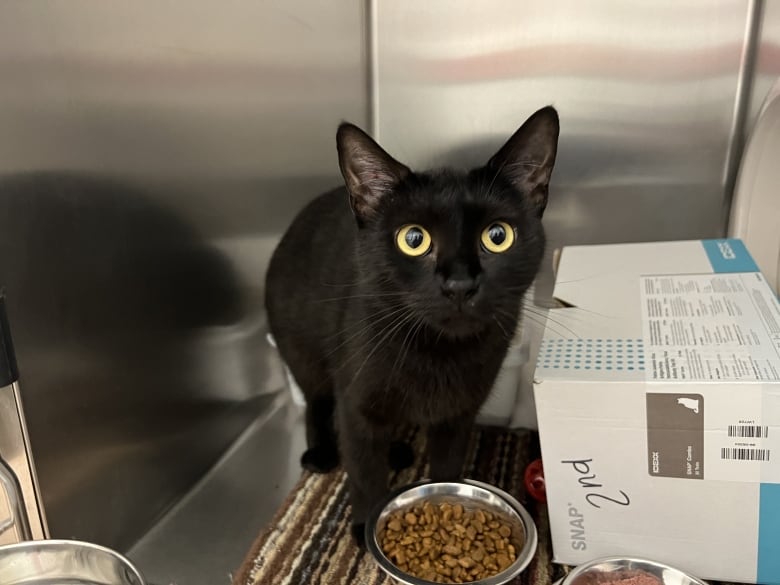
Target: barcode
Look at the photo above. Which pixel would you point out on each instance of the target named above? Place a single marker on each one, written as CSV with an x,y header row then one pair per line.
x,y
750,431
744,454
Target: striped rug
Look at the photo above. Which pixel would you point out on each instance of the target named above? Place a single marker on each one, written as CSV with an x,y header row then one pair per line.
x,y
309,541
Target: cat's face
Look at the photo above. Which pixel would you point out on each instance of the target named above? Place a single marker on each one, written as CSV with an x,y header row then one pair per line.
x,y
457,250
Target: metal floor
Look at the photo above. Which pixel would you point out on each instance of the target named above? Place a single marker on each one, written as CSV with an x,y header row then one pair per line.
x,y
203,539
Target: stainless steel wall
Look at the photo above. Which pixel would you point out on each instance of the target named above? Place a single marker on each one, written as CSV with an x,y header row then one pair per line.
x,y
150,155
647,93
767,58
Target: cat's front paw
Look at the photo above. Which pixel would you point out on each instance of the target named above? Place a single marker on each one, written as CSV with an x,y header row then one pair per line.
x,y
359,534
400,456
320,459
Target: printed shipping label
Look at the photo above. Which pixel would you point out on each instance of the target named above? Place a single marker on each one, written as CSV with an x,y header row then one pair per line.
x,y
710,327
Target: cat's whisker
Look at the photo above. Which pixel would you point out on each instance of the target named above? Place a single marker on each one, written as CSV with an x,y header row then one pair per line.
x,y
526,301
419,328
438,337
492,182
369,279
543,314
401,322
389,327
403,350
378,314
500,326
372,321
546,313
362,296
504,166
522,163
551,304
414,330
364,325
545,321
509,314
535,323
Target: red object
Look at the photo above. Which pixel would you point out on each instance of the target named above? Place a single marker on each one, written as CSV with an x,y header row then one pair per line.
x,y
534,481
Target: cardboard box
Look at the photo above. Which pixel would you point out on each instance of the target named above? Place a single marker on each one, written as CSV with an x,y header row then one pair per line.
x,y
657,391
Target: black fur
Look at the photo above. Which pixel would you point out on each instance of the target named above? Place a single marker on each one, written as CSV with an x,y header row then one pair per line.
x,y
378,340
401,455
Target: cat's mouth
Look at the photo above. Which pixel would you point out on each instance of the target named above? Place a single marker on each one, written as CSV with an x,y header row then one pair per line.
x,y
459,324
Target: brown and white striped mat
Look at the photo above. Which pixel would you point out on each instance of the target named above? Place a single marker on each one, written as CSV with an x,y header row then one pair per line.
x,y
309,541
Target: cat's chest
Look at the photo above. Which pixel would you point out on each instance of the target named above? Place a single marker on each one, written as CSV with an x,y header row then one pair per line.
x,y
424,384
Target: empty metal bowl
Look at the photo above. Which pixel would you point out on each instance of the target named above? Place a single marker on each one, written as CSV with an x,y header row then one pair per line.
x,y
65,562
472,495
615,569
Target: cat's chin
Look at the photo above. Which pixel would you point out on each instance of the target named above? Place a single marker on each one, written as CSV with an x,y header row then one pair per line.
x,y
461,328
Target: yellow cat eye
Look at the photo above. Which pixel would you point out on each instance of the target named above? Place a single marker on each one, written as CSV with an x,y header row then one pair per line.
x,y
498,237
413,240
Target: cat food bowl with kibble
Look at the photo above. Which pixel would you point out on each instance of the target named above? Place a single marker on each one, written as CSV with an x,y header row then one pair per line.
x,y
451,532
628,571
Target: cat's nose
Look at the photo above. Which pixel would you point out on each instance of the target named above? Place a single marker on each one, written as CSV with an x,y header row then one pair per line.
x,y
459,289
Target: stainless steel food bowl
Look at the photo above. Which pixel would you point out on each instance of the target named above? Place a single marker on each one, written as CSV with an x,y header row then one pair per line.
x,y
472,495
50,562
600,570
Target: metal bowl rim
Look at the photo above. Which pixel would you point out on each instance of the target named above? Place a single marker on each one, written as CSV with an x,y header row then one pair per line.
x,y
58,543
524,557
580,569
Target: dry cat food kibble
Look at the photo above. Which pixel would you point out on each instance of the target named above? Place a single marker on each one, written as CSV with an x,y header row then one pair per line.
x,y
448,543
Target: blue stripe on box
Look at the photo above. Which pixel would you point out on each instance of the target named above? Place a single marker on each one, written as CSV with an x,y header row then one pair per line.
x,y
769,534
729,255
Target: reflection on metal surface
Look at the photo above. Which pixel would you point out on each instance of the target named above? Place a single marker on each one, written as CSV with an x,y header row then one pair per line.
x,y
605,569
114,305
150,157
13,517
234,500
646,94
52,562
767,63
737,135
21,514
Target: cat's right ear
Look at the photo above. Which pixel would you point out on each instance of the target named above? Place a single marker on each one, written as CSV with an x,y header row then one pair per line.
x,y
528,157
369,172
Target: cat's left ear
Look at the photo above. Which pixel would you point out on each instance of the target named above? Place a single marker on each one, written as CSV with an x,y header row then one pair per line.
x,y
528,157
369,172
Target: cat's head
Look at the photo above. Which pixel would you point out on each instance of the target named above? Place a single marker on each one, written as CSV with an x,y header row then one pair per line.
x,y
455,249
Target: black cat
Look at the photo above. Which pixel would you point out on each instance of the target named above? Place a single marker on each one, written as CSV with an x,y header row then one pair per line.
x,y
394,301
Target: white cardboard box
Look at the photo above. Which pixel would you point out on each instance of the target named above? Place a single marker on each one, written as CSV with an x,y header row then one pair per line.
x,y
657,392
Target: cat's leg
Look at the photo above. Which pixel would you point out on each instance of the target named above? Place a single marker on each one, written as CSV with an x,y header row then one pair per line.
x,y
364,447
447,445
322,454
314,380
